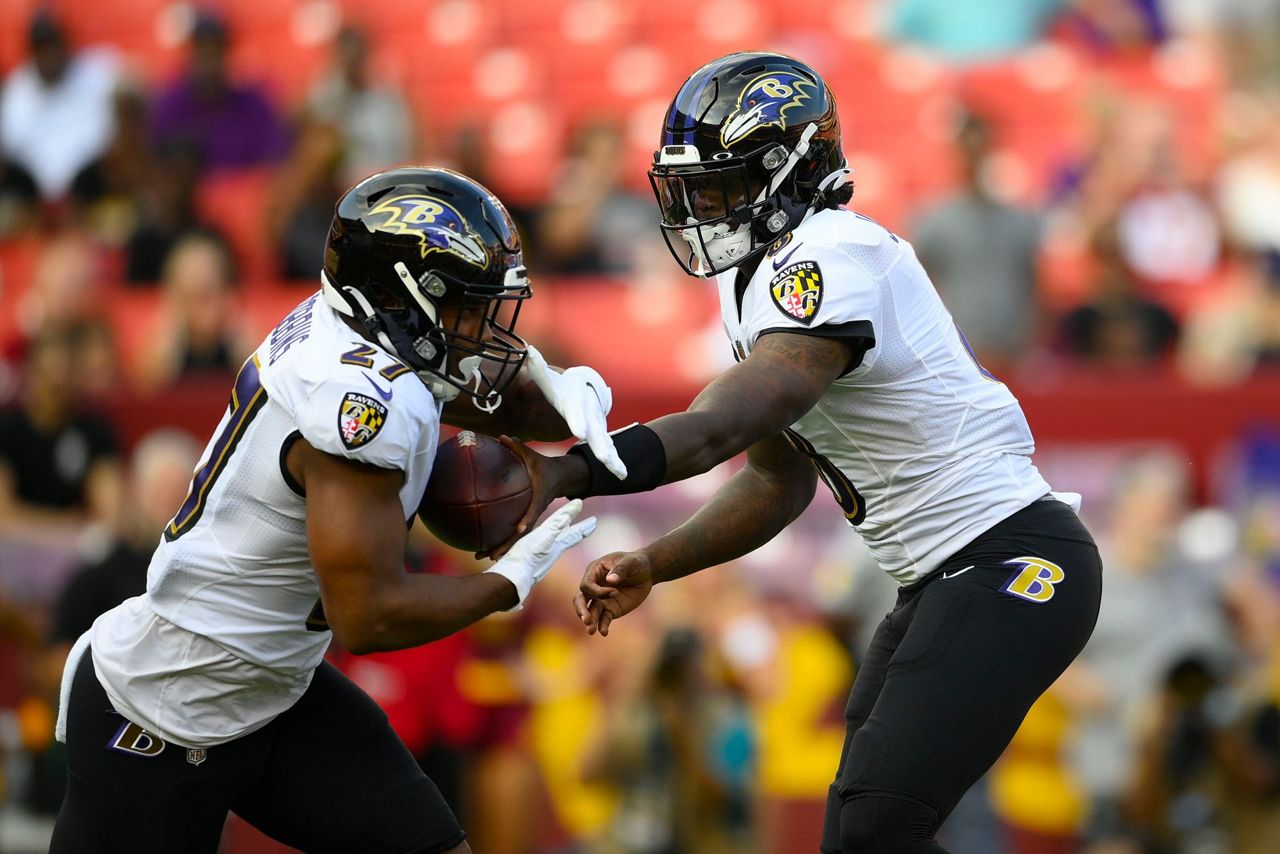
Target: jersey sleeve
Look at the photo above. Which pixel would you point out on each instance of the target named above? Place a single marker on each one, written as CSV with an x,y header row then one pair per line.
x,y
349,414
819,291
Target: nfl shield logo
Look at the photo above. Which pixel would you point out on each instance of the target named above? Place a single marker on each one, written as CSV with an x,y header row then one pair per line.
x,y
196,755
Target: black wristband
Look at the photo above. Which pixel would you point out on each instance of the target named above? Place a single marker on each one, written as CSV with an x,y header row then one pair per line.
x,y
642,453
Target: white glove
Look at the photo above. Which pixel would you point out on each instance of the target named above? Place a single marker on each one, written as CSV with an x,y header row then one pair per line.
x,y
583,399
533,555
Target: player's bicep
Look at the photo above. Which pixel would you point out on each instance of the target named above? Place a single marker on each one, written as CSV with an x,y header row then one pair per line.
x,y
785,375
355,532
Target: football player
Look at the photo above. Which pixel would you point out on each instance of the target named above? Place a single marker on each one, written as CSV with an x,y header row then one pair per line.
x,y
849,370
209,693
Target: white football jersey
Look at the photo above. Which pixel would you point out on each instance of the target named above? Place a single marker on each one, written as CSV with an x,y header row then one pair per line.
x,y
923,449
230,631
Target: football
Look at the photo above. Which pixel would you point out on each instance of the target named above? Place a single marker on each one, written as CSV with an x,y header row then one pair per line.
x,y
478,492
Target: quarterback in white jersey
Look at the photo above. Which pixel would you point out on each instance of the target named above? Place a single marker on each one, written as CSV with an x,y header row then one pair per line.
x,y
207,694
850,369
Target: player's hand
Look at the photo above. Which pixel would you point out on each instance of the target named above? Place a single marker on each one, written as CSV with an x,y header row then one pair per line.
x,y
583,399
611,587
532,557
541,492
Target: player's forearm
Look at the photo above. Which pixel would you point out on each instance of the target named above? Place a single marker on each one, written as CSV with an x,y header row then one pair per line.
x,y
524,412
424,608
744,514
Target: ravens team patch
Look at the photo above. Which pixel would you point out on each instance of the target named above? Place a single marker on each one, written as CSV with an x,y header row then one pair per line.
x,y
360,417
797,291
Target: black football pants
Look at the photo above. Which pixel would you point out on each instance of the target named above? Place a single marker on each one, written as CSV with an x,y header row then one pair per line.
x,y
951,673
328,775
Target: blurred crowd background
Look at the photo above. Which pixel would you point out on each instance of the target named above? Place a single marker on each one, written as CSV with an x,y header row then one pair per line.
x,y
1093,184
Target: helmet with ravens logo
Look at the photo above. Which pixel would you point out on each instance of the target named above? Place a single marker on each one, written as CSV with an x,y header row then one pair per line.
x,y
750,147
407,243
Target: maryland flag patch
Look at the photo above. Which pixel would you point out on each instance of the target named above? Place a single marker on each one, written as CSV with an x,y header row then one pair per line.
x,y
360,417
797,291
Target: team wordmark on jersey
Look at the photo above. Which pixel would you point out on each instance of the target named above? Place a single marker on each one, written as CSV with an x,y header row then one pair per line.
x,y
797,291
360,417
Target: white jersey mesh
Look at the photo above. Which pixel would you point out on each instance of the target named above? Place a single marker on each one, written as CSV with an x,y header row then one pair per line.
x,y
938,450
222,642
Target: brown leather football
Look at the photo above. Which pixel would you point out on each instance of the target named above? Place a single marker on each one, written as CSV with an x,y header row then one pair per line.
x,y
478,491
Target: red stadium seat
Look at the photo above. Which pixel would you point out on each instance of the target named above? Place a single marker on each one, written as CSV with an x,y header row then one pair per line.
x,y
266,302
134,315
125,25
524,142
235,203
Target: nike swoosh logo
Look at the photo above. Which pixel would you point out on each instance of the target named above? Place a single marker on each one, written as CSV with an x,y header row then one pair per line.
x,y
777,265
385,395
947,575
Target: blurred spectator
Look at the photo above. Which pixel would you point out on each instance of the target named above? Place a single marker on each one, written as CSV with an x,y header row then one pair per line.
x,y
1159,607
55,112
159,475
232,125
1209,776
59,465
62,294
167,213
375,127
1248,182
681,755
19,198
1239,332
1115,26
981,253
1133,182
108,191
974,30
199,332
301,206
1118,328
592,223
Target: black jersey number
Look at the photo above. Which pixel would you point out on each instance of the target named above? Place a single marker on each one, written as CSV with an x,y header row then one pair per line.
x,y
247,399
845,493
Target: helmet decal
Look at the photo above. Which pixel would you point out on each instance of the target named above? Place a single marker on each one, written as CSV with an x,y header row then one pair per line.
x,y
764,102
436,223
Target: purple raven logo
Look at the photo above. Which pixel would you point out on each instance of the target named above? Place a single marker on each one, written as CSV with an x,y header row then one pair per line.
x,y
437,224
765,101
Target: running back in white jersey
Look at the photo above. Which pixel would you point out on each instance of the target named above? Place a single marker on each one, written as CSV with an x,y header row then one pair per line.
x,y
923,449
230,629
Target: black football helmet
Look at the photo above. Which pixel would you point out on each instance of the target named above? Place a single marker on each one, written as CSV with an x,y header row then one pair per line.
x,y
407,242
750,145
